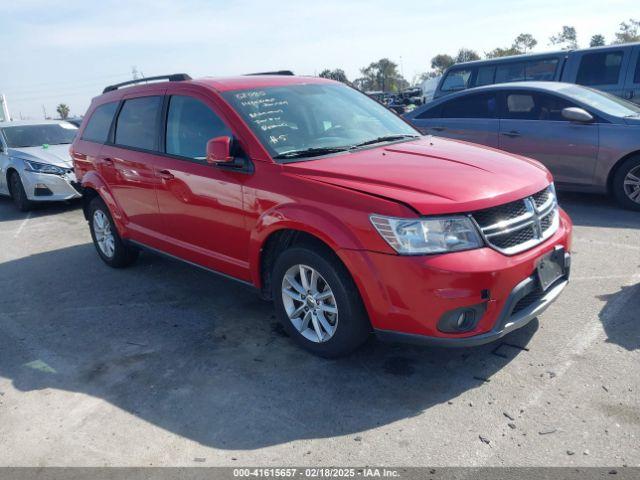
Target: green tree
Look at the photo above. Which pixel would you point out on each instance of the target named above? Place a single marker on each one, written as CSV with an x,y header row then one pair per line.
x,y
441,62
63,111
503,52
566,38
628,32
466,55
381,75
337,75
597,41
524,43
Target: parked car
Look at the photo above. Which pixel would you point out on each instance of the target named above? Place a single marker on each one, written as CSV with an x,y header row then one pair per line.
x,y
590,140
614,69
326,202
35,165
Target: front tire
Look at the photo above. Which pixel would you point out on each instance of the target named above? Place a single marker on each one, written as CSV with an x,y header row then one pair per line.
x,y
626,184
18,194
111,248
318,303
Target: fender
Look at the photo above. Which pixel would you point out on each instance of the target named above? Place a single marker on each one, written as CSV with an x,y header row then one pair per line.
x,y
312,220
94,180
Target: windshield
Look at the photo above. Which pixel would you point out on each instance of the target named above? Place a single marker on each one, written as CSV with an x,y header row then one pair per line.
x,y
605,102
314,119
38,135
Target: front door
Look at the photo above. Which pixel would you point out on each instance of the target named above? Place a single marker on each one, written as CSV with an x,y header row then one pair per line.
x,y
201,204
532,125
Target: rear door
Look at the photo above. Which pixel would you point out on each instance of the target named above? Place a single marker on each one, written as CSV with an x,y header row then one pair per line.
x,y
632,88
127,163
532,125
469,117
602,69
201,204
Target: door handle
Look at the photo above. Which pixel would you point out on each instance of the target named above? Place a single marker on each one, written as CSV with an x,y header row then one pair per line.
x,y
108,162
512,134
166,175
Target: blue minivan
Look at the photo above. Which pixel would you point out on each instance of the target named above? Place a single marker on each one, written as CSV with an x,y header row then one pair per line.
x,y
614,69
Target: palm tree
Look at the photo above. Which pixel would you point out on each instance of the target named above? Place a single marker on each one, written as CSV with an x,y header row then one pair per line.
x,y
63,110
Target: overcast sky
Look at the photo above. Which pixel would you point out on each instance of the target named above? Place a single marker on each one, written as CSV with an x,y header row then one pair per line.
x,y
67,51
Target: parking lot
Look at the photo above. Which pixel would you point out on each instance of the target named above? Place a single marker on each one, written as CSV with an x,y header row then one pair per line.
x,y
164,364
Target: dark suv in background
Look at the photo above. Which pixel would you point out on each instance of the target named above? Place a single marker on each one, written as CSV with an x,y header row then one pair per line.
x,y
614,69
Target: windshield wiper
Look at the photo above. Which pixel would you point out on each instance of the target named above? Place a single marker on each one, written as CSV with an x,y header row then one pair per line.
x,y
311,152
386,138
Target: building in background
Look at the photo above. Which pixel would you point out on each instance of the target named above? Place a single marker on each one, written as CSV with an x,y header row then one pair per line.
x,y
4,109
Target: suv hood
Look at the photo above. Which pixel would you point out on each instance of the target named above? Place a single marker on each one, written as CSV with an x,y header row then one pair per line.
x,y
432,175
57,155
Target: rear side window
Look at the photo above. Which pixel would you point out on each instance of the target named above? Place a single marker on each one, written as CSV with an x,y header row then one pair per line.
x,y
600,68
190,125
485,76
456,80
543,70
137,124
97,129
471,106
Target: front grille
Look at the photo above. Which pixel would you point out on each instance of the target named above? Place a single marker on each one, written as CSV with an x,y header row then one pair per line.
x,y
517,226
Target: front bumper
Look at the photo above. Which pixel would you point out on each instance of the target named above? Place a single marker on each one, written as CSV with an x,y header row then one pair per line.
x,y
407,296
58,187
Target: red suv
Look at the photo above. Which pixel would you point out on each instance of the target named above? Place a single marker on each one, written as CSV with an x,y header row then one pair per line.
x,y
326,202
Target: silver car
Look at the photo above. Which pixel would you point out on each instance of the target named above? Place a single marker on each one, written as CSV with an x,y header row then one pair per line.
x,y
590,140
35,165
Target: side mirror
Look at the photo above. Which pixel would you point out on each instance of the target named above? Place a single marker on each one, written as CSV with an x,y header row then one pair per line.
x,y
576,114
219,150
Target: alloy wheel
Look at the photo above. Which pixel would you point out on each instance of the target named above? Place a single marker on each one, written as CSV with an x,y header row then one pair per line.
x,y
309,303
632,184
104,235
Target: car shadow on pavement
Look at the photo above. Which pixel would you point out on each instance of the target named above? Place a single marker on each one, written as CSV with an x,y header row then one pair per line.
x,y
204,358
621,317
597,211
9,212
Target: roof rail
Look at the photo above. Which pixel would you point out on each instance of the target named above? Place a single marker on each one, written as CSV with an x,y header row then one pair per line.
x,y
277,72
176,77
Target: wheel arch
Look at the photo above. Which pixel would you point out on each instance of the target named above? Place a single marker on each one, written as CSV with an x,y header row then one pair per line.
x,y
94,186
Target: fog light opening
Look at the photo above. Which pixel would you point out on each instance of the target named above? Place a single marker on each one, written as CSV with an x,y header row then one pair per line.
x,y
465,320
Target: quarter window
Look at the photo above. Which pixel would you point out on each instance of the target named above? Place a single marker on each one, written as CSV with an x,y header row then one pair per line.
x,y
456,80
190,125
137,123
97,129
600,68
471,106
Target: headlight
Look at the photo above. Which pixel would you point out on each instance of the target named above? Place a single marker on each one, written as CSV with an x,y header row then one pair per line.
x,y
428,235
44,168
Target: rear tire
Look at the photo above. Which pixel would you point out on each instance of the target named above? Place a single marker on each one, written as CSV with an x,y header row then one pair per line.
x,y
112,249
18,194
324,312
626,184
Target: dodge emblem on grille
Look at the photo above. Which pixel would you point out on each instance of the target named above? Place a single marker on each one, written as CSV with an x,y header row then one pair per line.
x,y
537,227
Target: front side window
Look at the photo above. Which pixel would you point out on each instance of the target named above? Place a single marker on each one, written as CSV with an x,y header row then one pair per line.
x,y
456,80
293,118
605,102
97,129
22,136
536,106
190,125
600,68
485,76
471,106
137,123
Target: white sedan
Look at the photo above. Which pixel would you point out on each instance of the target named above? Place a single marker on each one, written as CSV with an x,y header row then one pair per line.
x,y
35,165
